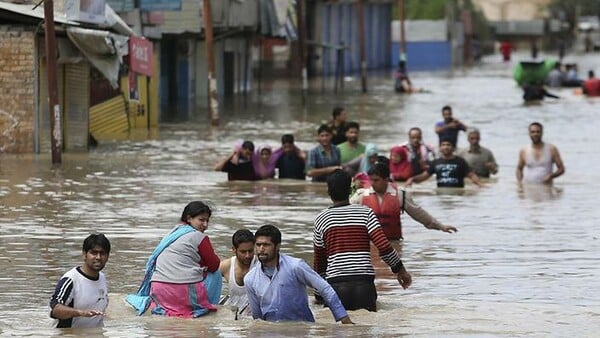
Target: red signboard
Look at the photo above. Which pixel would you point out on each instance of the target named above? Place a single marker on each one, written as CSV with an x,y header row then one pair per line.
x,y
141,55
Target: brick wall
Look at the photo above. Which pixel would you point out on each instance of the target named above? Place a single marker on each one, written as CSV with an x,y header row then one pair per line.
x,y
17,83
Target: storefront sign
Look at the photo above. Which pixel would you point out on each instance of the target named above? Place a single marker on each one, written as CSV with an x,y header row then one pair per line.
x,y
141,55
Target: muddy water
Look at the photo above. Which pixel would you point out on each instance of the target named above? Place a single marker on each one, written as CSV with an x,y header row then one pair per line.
x,y
522,264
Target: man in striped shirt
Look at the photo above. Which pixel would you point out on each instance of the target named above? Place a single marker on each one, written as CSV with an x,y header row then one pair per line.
x,y
341,238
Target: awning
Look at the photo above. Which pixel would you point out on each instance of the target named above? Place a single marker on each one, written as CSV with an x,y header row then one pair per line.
x,y
103,49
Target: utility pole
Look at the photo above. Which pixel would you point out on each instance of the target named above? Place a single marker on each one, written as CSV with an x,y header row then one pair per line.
x,y
302,47
53,106
213,101
402,14
361,42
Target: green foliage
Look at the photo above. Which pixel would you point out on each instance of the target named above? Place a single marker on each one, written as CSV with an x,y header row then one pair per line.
x,y
587,7
425,9
570,8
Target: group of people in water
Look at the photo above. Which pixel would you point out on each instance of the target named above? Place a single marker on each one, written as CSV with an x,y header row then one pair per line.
x,y
411,162
184,275
562,75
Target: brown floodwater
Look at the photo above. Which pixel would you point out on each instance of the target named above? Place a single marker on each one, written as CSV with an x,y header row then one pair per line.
x,y
524,263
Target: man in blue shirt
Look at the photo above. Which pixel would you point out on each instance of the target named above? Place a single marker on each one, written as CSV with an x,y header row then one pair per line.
x,y
276,287
449,127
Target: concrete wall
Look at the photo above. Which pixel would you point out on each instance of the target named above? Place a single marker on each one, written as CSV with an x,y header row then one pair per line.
x,y
428,44
509,10
17,95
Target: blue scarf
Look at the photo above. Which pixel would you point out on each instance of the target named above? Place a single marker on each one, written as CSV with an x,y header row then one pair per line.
x,y
141,300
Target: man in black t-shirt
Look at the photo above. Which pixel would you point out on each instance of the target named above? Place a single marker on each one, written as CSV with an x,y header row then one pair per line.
x,y
238,165
292,162
338,125
450,170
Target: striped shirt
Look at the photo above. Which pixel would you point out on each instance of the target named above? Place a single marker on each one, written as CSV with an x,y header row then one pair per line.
x,y
341,240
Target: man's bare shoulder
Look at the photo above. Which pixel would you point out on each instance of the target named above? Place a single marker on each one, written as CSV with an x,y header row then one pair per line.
x,y
225,266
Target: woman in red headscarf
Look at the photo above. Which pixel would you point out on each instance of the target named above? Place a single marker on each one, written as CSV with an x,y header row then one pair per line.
x,y
400,168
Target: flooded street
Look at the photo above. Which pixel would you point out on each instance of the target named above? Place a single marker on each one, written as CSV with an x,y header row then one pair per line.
x,y
522,264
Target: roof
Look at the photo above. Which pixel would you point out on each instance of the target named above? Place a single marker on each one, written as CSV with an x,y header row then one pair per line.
x,y
27,10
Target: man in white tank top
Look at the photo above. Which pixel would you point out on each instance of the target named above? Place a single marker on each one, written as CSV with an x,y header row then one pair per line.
x,y
538,159
235,268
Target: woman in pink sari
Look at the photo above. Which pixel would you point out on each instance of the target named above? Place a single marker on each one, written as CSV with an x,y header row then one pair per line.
x,y
186,281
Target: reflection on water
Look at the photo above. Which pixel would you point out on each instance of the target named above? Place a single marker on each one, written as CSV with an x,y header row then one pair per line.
x,y
522,263
540,193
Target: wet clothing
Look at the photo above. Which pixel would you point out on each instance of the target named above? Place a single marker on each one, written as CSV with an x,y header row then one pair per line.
x,y
291,166
341,240
348,153
77,290
365,163
400,78
237,293
535,93
450,173
536,170
402,170
243,171
188,300
555,78
390,206
506,49
591,87
450,134
183,283
186,260
387,208
477,160
419,158
318,158
265,170
339,133
283,296
359,293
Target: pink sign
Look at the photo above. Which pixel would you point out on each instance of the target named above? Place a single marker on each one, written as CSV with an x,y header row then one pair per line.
x,y
141,56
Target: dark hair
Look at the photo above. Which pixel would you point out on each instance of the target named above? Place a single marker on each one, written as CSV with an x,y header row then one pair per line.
x,y
380,169
287,138
194,209
447,139
383,159
271,231
351,124
241,236
446,108
536,124
591,73
415,129
323,128
337,111
96,240
248,145
338,185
